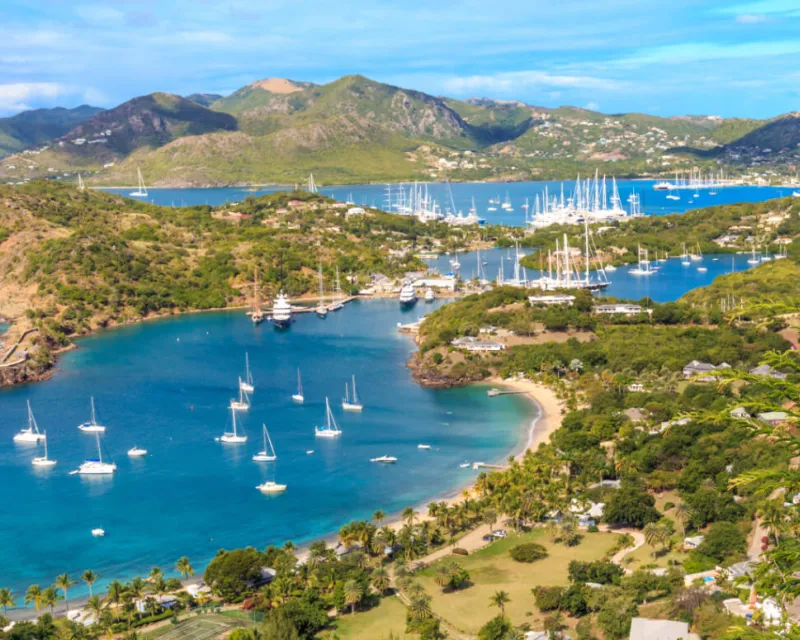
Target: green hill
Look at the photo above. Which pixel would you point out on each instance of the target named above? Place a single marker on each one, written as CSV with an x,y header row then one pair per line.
x,y
204,99
37,126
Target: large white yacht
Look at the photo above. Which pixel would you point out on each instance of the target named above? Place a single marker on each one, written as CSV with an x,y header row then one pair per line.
x,y
281,311
408,295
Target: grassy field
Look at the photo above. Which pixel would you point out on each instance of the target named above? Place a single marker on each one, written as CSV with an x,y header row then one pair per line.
x,y
388,617
492,569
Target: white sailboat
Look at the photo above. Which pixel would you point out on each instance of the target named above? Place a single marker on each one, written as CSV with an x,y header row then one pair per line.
x,y
696,257
233,437
267,454
43,461
684,256
31,433
299,397
92,426
643,268
271,487
321,310
331,429
257,313
243,403
247,385
336,303
95,467
351,404
753,259
141,190
81,186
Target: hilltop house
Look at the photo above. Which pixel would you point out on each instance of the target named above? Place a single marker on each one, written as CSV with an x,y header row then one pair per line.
x,y
693,542
556,298
739,412
474,345
766,370
646,629
701,370
620,308
773,418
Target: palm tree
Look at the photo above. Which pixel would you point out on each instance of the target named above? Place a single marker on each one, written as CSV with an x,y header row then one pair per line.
x,y
34,595
379,516
683,514
95,606
51,597
184,567
380,580
155,574
489,517
289,546
443,575
409,516
6,600
420,607
500,599
136,588
89,577
65,582
554,625
353,593
114,593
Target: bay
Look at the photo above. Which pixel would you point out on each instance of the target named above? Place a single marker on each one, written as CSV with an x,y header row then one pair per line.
x,y
375,195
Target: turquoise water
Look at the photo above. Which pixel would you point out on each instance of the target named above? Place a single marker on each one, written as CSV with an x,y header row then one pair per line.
x,y
670,282
374,195
165,385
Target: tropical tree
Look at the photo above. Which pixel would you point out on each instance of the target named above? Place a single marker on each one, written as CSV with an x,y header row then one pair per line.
x,y
419,608
353,594
34,596
114,593
683,513
379,516
500,599
95,607
51,597
6,600
409,516
89,577
380,580
184,567
489,517
65,582
442,575
155,574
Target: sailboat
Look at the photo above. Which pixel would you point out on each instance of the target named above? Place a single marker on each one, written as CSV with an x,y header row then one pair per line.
x,y
507,203
321,310
141,191
351,404
233,437
43,461
753,259
271,487
331,429
81,186
299,397
243,403
336,304
31,433
256,314
696,257
685,257
643,268
267,454
246,385
95,467
92,426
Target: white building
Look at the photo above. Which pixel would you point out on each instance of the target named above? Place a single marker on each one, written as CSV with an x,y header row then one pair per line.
x,y
556,298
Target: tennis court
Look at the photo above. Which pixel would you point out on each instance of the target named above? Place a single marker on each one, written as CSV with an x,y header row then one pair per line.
x,y
199,628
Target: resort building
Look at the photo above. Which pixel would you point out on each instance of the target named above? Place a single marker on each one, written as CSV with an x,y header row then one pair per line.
x,y
701,370
556,298
620,308
646,629
439,282
475,345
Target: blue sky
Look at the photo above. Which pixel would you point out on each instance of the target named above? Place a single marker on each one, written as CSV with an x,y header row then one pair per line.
x,y
667,58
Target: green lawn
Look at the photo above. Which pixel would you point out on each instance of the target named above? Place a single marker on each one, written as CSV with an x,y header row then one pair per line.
x,y
376,624
644,556
202,627
492,569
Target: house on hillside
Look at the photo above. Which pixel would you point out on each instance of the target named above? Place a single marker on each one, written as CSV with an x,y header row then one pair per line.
x,y
740,413
620,308
635,415
475,345
556,298
692,542
701,371
766,370
646,629
773,418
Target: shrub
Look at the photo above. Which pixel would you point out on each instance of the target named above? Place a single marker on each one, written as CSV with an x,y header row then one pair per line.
x,y
593,528
496,629
548,598
601,572
723,540
460,552
529,552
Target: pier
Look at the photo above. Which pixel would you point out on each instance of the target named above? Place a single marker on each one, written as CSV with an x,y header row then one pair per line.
x,y
500,392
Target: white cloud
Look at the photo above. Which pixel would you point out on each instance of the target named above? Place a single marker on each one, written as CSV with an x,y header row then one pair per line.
x,y
751,18
516,80
16,96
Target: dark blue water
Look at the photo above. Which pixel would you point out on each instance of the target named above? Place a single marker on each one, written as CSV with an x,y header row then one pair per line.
x,y
669,283
165,386
374,195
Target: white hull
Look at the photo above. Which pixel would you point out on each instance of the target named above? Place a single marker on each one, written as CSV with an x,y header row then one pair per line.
x,y
423,446
248,388
271,487
384,459
326,433
263,456
98,533
29,437
93,468
298,398
240,406
349,406
322,312
92,428
135,452
701,269
43,462
230,438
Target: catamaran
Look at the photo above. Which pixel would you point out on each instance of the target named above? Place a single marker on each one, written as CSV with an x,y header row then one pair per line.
x,y
299,397
351,404
96,467
141,191
321,310
31,433
43,461
331,429
233,437
267,454
92,426
243,403
247,385
281,312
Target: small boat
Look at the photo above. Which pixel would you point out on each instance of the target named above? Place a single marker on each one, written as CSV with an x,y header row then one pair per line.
x,y
98,533
267,454
331,429
141,190
702,269
336,302
430,296
299,397
281,312
351,404
271,487
464,465
31,433
43,461
610,268
384,459
310,452
95,467
243,403
233,437
136,452
696,257
753,260
493,392
423,446
247,385
92,426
